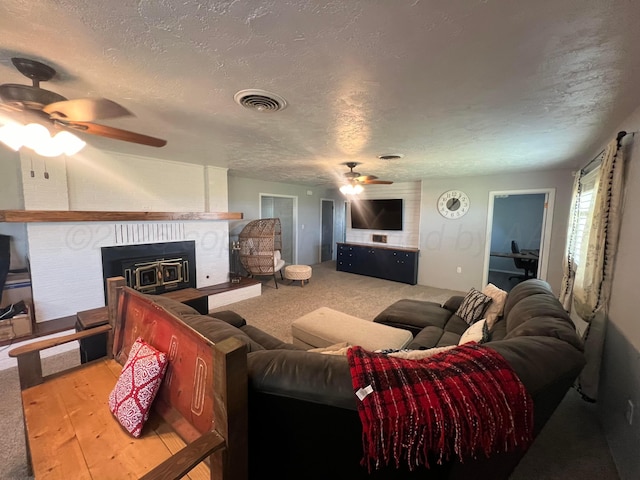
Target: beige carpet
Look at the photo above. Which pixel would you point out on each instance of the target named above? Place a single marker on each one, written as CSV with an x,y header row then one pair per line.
x,y
571,445
14,462
356,295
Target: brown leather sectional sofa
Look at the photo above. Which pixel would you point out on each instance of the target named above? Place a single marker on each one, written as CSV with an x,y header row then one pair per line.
x,y
303,419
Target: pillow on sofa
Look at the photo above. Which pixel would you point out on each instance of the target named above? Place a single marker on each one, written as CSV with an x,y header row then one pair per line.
x,y
496,307
473,306
130,400
478,332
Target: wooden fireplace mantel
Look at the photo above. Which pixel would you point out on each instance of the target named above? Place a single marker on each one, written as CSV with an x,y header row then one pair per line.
x,y
27,216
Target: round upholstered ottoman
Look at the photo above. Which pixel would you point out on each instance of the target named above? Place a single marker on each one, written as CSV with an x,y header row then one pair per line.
x,y
298,272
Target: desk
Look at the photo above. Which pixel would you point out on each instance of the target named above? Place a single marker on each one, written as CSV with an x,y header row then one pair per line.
x,y
523,255
525,259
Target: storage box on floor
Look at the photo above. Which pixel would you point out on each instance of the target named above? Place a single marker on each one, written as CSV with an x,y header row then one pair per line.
x,y
16,288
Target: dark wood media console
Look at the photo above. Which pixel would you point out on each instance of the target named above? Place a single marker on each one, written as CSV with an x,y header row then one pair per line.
x,y
390,263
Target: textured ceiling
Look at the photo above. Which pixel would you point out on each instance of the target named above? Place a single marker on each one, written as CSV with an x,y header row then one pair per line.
x,y
458,87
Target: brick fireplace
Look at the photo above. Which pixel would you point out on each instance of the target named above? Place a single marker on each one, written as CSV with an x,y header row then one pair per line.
x,y
66,259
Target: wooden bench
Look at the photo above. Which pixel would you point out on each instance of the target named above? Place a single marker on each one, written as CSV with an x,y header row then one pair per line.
x,y
198,426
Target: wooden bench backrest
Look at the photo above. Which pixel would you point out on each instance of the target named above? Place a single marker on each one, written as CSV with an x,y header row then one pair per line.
x,y
186,396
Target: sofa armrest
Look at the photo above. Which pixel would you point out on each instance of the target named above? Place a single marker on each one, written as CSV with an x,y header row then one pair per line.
x,y
30,361
269,342
38,346
546,366
307,376
230,317
453,303
186,459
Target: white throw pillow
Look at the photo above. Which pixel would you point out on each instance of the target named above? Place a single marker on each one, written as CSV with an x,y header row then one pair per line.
x,y
496,307
475,333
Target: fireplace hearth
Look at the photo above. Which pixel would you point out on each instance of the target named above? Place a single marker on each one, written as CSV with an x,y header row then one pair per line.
x,y
153,267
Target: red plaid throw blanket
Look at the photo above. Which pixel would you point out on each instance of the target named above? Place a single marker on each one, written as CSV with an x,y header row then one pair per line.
x,y
465,401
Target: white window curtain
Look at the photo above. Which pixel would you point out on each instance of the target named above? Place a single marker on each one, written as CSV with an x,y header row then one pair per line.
x,y
592,240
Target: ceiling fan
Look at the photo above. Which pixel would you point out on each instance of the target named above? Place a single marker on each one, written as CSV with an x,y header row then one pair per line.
x,y
355,177
76,115
355,180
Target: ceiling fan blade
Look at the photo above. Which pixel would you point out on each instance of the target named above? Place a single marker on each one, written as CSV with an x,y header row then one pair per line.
x,y
364,178
85,110
377,182
115,133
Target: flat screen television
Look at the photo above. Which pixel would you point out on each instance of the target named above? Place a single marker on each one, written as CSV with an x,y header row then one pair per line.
x,y
377,214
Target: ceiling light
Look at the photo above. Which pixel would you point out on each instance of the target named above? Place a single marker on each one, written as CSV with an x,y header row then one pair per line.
x,y
37,138
11,136
350,189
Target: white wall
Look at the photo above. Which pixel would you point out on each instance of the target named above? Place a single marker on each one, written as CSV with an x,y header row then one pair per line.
x,y
620,371
65,258
409,236
11,198
446,244
244,196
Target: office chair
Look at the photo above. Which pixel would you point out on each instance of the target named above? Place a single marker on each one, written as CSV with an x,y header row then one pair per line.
x,y
530,267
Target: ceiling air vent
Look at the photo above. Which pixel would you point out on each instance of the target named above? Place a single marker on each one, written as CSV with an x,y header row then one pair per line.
x,y
260,100
390,156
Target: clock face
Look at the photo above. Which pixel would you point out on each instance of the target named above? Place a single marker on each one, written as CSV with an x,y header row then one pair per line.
x,y
453,204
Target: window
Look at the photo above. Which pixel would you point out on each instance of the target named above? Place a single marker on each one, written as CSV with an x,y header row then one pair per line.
x,y
588,193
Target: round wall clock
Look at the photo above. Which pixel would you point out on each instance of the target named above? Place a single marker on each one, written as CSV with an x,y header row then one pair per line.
x,y
453,204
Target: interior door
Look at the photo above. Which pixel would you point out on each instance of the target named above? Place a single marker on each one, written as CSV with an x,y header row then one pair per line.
x,y
523,216
284,208
326,233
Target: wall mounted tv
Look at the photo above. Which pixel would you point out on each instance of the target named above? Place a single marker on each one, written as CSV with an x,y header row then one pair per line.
x,y
377,214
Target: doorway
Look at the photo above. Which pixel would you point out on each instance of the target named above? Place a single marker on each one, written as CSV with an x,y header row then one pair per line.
x,y
326,229
285,208
523,217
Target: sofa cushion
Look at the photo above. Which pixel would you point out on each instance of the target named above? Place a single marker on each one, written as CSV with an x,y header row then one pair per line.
x,y
473,306
453,303
431,336
414,315
496,307
217,330
531,287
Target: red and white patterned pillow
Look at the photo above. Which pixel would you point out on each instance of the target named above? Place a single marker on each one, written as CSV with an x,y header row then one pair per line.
x,y
130,400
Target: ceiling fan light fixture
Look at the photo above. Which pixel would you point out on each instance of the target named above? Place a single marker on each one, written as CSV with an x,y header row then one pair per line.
x,y
37,138
350,189
11,136
69,143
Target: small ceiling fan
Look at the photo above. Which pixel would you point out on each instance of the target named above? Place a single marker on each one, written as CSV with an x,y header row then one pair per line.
x,y
76,115
355,180
355,177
